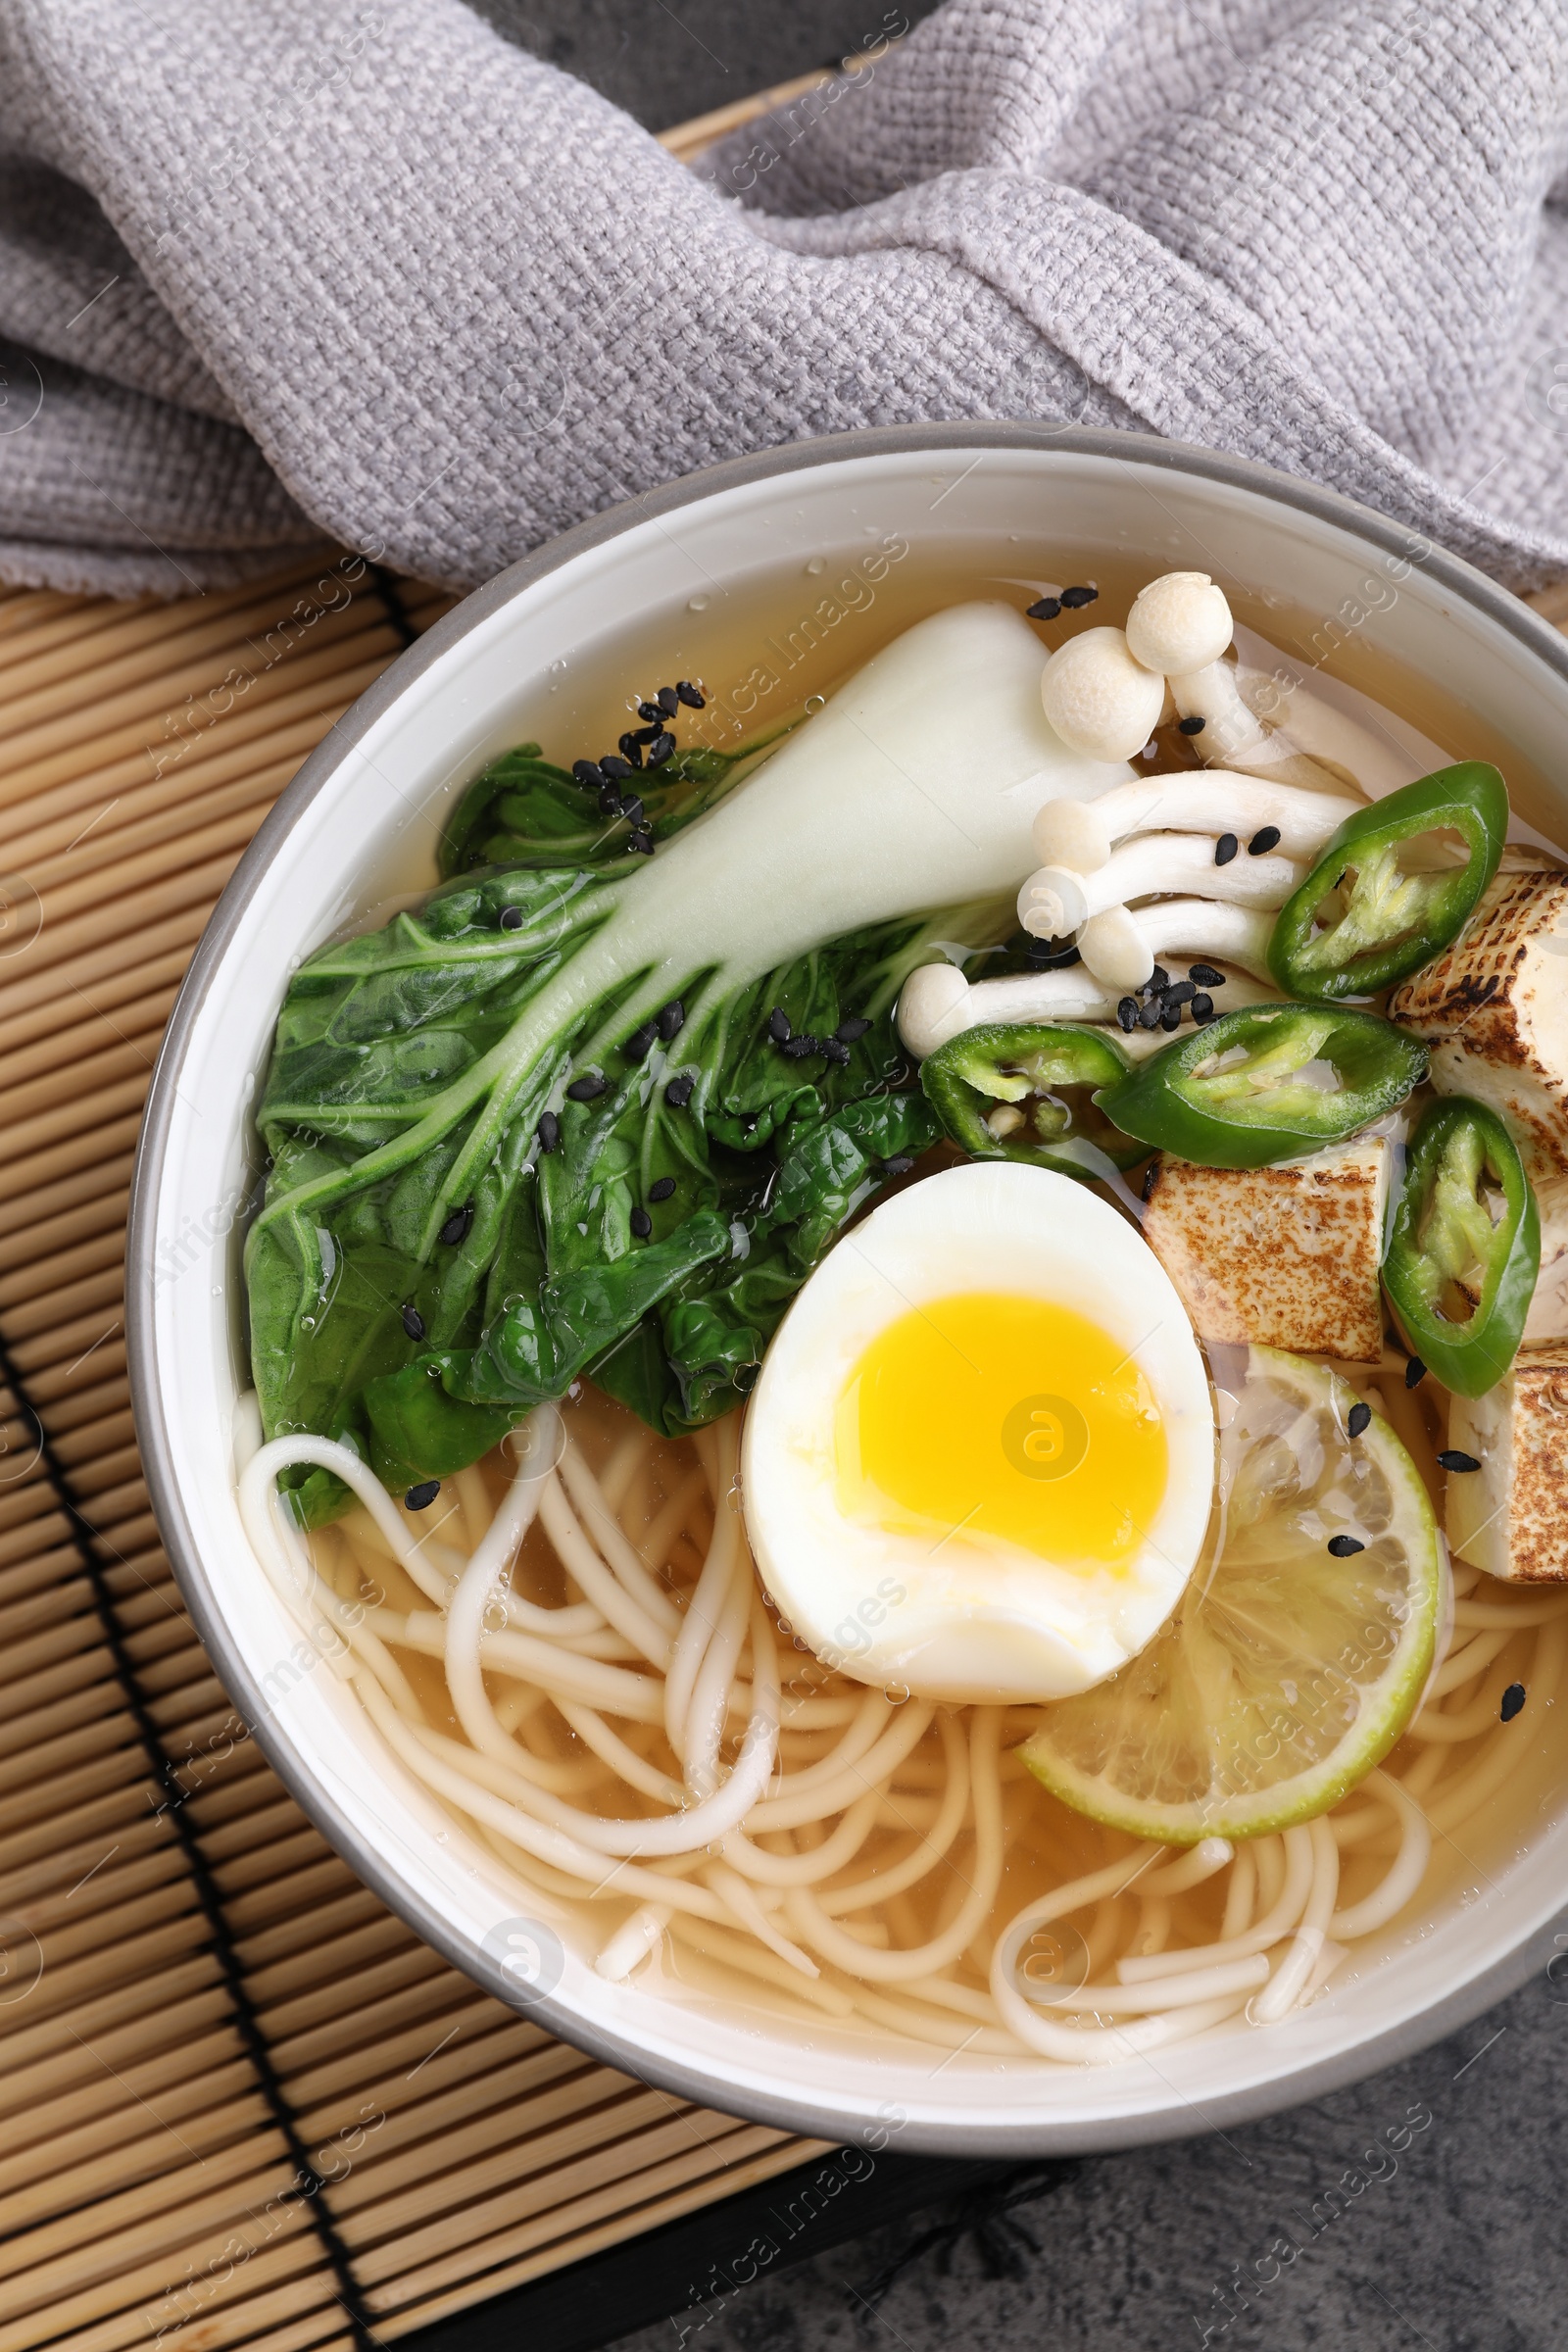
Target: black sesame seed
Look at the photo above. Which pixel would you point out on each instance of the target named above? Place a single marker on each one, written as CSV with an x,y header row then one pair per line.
x,y
642,1224
1345,1548
589,1089
420,1498
669,700
1047,609
660,750
640,1040
778,1025
900,1165
1127,1013
632,750
618,770
850,1032
1415,1372
1076,597
412,1322
648,734
678,1093
512,918
800,1048
1225,849
690,695
1150,1015
1513,1699
652,710
1203,1008
641,841
631,809
1266,838
661,1187
1358,1418
1171,1017
1180,992
548,1130
1191,726
1453,1459
835,1051
672,1020
609,802
588,774
1157,982
1206,975
455,1228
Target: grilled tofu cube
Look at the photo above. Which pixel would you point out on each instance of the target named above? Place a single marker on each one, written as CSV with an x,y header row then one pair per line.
x,y
1285,1256
1510,1516
1548,1318
1495,1012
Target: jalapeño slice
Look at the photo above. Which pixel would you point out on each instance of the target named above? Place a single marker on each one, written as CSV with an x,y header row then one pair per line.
x,y
1465,1246
1267,1082
1386,895
1017,1089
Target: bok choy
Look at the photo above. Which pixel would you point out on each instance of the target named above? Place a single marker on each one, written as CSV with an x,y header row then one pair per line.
x,y
588,1112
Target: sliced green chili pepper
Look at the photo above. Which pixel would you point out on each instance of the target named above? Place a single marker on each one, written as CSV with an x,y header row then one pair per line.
x,y
1465,1247
1016,1090
1267,1082
1370,911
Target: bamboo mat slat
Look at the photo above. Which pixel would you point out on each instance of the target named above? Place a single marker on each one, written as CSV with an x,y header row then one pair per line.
x,y
158,2082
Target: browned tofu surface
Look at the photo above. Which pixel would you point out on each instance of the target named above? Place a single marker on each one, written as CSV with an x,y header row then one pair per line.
x,y
1510,1516
1283,1257
1495,1011
1547,1319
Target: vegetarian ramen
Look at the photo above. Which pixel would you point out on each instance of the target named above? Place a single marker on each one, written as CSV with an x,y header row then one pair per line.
x,y
916,1365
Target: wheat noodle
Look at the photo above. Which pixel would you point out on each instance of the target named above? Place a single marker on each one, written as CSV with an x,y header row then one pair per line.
x,y
576,1660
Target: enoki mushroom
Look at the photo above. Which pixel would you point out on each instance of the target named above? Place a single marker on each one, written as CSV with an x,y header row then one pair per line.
x,y
576,1660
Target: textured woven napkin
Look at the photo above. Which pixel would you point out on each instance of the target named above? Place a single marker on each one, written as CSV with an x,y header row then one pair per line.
x,y
271,273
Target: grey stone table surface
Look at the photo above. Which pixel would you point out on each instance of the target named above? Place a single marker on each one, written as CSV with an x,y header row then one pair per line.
x,y
1423,2208
1426,2207
668,63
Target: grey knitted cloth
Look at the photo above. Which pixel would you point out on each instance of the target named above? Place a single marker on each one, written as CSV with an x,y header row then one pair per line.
x,y
271,274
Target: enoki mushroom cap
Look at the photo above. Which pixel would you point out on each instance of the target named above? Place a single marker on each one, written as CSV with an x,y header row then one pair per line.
x,y
1114,948
1053,902
1099,700
1178,623
1072,833
931,1006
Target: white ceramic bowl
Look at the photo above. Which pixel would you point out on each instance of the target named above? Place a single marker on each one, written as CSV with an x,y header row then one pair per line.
x,y
359,823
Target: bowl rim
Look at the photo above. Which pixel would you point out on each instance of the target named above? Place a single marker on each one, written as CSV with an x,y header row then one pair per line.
x,y
1017,2135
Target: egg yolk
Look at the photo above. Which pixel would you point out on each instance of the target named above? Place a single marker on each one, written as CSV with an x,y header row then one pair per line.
x,y
988,1416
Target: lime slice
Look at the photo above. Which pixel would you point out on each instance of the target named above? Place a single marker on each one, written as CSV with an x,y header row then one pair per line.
x,y
1287,1672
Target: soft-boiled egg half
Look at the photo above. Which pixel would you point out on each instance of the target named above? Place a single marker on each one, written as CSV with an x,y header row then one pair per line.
x,y
979,1460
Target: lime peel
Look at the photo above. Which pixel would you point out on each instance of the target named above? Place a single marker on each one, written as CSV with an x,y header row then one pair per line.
x,y
1286,1672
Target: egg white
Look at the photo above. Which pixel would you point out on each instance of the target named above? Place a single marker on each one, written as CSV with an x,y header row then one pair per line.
x,y
977,1621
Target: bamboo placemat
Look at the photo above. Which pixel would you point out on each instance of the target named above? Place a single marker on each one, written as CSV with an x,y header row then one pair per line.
x,y
204,2017
240,2103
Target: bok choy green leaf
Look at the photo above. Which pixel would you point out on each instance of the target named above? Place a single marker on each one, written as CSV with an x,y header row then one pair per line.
x,y
604,1116
524,810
